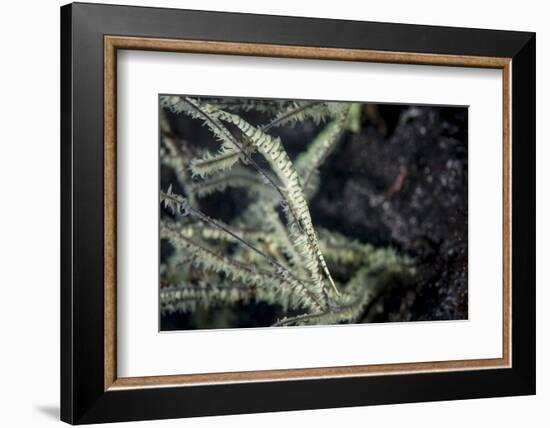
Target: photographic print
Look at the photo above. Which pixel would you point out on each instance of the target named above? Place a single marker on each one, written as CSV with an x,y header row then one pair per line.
x,y
281,212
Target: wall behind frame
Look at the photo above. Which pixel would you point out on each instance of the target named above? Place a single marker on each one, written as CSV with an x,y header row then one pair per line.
x,y
29,172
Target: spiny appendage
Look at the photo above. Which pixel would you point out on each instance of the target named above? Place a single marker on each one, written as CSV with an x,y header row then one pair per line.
x,y
350,305
206,259
308,162
272,150
230,151
236,178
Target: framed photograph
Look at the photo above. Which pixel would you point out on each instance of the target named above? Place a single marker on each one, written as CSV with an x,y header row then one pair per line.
x,y
266,213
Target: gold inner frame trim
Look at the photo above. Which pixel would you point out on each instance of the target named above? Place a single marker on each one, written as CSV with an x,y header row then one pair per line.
x,y
113,43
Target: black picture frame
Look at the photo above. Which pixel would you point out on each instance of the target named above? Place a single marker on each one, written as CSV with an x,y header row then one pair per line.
x,y
83,396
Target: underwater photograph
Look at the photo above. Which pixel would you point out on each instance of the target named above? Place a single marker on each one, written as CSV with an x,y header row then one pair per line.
x,y
282,212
